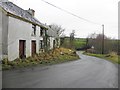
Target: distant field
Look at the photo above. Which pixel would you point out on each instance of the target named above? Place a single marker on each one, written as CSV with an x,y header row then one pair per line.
x,y
78,42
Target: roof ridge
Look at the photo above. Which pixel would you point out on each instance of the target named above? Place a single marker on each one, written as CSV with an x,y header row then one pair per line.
x,y
18,11
4,1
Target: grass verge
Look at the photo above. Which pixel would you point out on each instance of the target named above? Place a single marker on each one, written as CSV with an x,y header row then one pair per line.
x,y
56,56
111,57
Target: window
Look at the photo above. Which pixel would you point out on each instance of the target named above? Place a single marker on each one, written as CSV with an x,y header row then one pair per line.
x,y
41,31
41,44
34,29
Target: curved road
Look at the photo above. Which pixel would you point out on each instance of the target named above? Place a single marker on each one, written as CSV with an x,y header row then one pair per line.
x,y
88,72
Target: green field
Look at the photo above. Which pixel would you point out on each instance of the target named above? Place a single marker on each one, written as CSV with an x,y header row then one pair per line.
x,y
77,43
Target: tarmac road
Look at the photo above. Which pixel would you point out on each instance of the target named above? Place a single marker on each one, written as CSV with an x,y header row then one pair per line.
x,y
87,72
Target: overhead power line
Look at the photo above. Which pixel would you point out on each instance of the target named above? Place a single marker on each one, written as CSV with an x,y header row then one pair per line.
x,y
71,13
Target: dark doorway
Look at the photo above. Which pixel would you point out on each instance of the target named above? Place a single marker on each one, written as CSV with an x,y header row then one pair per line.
x,y
22,48
53,43
33,47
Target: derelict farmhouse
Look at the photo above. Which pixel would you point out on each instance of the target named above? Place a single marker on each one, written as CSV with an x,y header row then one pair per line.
x,y
21,34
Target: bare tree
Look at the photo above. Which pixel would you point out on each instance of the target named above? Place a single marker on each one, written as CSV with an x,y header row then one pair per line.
x,y
96,41
58,31
72,35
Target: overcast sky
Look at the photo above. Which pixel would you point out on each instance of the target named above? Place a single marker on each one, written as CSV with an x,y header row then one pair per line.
x,y
99,11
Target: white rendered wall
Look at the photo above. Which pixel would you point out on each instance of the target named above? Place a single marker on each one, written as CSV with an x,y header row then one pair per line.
x,y
51,42
0,49
0,35
20,30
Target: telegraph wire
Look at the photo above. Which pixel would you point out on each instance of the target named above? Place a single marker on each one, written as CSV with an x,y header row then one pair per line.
x,y
71,13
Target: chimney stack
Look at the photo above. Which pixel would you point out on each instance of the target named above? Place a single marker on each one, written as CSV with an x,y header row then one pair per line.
x,y
31,11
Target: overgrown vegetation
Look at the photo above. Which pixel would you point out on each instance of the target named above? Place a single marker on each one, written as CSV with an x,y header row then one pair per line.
x,y
106,48
109,45
113,57
58,55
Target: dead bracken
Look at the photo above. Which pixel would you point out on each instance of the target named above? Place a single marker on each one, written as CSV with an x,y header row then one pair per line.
x,y
55,56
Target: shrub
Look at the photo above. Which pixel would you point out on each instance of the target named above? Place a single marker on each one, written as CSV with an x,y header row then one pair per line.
x,y
5,61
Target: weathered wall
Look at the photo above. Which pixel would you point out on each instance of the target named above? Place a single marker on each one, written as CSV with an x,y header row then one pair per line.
x,y
119,29
0,49
4,35
20,30
51,42
0,35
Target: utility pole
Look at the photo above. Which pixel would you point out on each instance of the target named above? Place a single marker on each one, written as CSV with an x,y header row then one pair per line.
x,y
103,39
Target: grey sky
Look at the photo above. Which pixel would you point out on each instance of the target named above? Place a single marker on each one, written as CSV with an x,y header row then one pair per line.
x,y
99,11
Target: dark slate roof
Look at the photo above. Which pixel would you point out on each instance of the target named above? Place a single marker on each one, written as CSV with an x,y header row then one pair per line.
x,y
15,10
